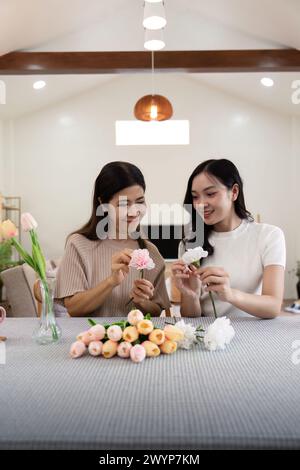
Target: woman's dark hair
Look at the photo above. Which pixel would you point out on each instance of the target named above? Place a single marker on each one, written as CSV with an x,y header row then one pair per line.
x,y
113,177
227,173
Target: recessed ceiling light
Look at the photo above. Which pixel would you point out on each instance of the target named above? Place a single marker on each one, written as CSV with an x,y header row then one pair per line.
x,y
39,85
267,81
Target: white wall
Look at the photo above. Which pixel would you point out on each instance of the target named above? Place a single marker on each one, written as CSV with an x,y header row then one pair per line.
x,y
58,152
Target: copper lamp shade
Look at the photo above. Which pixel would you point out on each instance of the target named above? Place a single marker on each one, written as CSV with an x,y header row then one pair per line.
x,y
143,109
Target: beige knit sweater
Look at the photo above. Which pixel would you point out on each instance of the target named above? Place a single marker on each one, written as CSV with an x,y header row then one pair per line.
x,y
88,262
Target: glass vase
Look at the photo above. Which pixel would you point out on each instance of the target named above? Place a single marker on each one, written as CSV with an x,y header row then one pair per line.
x,y
48,331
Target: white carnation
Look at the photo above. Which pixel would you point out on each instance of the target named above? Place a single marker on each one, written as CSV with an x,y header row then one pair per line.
x,y
218,334
189,332
194,254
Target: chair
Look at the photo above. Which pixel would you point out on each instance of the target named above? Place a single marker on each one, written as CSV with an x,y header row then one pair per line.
x,y
19,283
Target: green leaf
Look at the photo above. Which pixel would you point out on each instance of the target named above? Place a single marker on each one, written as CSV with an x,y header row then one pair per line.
x,y
35,241
92,322
148,316
23,253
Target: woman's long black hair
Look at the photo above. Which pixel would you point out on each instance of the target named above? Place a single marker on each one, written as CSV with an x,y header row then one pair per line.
x,y
227,173
113,177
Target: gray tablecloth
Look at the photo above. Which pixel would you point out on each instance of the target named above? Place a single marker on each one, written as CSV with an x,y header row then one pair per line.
x,y
247,396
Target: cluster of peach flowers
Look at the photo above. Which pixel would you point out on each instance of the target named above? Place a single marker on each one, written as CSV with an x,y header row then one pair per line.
x,y
135,338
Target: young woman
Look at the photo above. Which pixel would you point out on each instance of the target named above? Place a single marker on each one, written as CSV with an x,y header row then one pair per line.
x,y
94,277
245,265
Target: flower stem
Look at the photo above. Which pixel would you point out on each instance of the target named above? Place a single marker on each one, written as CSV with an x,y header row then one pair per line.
x,y
213,304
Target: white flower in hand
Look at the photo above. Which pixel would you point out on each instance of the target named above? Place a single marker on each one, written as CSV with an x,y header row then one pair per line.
x,y
218,334
194,255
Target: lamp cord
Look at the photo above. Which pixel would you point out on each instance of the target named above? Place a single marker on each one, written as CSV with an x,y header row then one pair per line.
x,y
152,71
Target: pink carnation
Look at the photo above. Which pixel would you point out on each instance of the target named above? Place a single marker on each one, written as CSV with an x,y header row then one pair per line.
x,y
140,259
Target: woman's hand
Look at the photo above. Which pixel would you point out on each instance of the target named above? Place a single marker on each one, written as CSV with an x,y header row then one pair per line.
x,y
119,266
215,279
187,279
142,290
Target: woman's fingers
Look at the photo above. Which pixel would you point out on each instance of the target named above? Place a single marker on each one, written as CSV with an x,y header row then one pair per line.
x,y
144,282
214,270
148,288
214,280
139,293
120,266
180,268
182,276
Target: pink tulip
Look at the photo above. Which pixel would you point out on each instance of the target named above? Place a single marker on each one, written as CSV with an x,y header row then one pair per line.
x,y
77,349
140,259
95,348
98,331
134,317
85,337
137,353
115,333
28,223
124,349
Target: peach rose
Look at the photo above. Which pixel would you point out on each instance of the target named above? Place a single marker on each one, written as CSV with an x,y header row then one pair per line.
x,y
173,333
130,334
124,349
115,332
157,336
95,348
134,317
8,230
152,350
77,349
145,327
168,347
109,349
137,353
98,331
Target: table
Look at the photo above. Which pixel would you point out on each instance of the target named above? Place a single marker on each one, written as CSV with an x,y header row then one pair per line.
x,y
247,396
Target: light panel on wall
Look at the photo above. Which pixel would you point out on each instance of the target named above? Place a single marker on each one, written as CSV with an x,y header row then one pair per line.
x,y
172,132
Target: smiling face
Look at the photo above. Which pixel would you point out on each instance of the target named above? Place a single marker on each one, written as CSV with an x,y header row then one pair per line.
x,y
129,208
213,200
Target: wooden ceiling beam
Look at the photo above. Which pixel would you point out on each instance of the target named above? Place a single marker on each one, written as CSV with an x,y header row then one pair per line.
x,y
51,63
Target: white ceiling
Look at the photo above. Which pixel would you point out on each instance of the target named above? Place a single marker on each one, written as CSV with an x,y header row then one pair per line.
x,y
116,24
66,25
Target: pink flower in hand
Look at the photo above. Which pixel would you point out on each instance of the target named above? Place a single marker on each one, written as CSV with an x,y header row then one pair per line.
x,y
137,353
124,349
77,349
140,259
